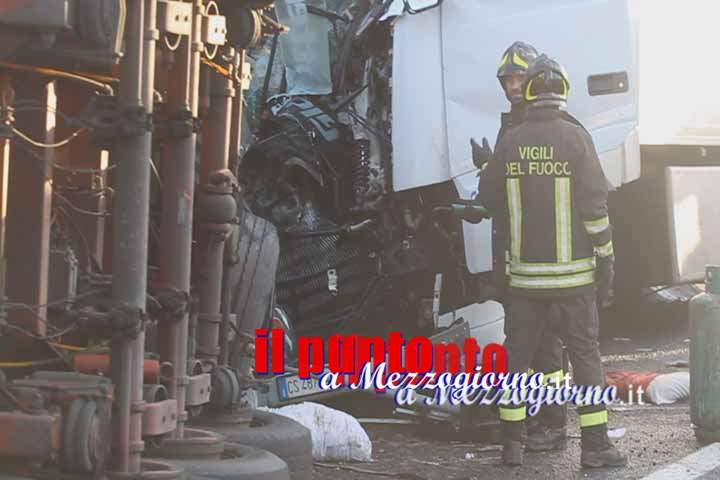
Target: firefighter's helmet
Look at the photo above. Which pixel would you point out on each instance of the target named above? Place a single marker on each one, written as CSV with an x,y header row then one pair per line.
x,y
516,60
546,83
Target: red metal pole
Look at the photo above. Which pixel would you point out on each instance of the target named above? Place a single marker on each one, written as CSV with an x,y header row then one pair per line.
x,y
177,211
216,187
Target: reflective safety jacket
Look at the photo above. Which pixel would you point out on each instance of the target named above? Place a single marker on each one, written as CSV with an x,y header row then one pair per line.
x,y
509,120
501,265
547,183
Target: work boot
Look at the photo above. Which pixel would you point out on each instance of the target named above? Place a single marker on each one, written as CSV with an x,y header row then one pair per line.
x,y
610,456
546,440
512,453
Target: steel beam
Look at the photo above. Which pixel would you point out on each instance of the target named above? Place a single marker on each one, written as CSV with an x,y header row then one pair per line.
x,y
131,220
176,231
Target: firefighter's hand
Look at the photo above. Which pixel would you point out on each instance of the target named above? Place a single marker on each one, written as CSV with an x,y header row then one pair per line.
x,y
481,155
605,273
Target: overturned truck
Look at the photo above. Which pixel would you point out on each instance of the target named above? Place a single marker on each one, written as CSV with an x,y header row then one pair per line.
x,y
132,275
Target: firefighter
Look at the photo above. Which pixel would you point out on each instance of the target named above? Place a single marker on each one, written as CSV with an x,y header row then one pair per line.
x,y
546,431
546,180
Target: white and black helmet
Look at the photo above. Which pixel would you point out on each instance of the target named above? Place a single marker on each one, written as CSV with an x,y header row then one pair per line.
x,y
546,83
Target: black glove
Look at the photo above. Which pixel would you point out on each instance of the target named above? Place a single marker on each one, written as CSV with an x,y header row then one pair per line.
x,y
481,155
605,274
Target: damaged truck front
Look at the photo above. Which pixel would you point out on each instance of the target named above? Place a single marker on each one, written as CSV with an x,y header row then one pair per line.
x,y
367,142
357,254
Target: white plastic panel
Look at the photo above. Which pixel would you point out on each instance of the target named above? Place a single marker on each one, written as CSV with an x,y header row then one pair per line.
x,y
477,237
486,321
694,219
420,152
588,37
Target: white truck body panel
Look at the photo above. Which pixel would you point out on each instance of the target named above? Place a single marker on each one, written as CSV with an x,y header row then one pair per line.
x,y
477,237
419,137
449,56
694,220
486,321
456,49
445,62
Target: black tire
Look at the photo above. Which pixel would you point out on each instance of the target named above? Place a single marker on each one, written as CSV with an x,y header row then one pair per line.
x,y
252,276
239,462
280,435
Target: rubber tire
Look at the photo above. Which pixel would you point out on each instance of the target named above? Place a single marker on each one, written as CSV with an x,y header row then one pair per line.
x,y
256,245
71,418
251,464
280,435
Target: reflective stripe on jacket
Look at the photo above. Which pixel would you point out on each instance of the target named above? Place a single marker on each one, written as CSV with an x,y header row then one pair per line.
x,y
547,183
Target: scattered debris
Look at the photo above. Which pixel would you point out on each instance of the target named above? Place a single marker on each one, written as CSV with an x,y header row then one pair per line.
x,y
489,448
386,421
669,388
408,476
627,381
678,364
613,434
636,356
621,339
336,435
670,293
645,350
660,389
469,456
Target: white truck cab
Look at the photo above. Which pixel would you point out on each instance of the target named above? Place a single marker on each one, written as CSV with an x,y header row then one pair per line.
x,y
640,76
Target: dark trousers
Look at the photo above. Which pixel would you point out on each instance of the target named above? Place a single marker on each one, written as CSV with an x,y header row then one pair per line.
x,y
533,322
549,358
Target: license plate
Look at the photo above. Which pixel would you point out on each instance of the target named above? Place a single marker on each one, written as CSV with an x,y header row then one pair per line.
x,y
293,386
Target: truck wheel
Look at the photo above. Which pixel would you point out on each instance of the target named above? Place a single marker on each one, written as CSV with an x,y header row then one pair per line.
x,y
280,435
238,462
254,262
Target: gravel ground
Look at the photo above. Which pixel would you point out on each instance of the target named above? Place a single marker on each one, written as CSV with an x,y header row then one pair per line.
x,y
655,435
